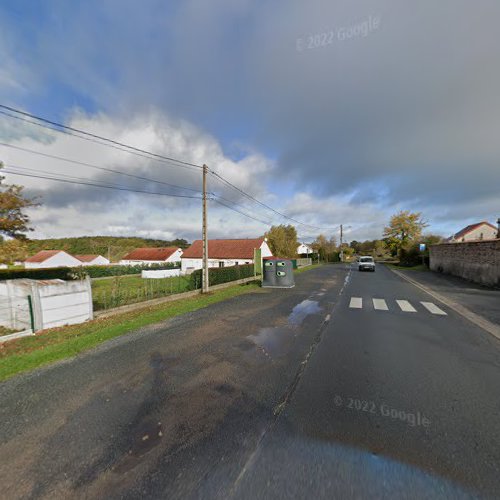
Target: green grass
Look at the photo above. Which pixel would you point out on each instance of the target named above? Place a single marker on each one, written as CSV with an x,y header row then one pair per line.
x,y
6,331
418,267
307,268
122,290
59,343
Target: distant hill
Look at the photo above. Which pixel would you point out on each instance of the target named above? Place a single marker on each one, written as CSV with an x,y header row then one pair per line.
x,y
117,246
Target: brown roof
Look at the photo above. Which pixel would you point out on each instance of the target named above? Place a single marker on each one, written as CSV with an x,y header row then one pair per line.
x,y
469,228
43,255
224,249
86,258
150,253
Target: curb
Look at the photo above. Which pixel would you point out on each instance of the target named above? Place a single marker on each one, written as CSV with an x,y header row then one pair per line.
x,y
483,323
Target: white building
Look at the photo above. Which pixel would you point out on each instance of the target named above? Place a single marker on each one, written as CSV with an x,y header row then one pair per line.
x,y
51,258
474,232
304,249
150,256
92,260
223,253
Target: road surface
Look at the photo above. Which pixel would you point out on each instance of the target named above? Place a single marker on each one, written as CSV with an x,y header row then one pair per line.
x,y
350,385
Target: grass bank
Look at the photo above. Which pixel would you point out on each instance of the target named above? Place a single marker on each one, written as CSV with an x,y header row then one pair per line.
x,y
46,347
418,267
122,290
307,268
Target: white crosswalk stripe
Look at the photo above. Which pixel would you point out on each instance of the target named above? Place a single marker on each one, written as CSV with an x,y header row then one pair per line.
x,y
388,305
433,308
405,306
380,304
356,303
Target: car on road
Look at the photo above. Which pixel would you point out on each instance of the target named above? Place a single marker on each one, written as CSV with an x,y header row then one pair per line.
x,y
366,263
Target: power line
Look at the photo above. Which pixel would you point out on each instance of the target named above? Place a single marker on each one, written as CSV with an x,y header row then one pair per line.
x,y
220,178
89,139
141,152
90,165
21,171
267,223
95,136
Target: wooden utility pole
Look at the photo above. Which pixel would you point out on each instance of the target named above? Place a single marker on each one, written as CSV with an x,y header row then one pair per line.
x,y
204,279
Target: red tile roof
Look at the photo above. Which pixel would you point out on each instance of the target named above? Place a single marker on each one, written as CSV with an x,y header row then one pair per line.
x,y
466,230
151,253
224,249
43,255
86,257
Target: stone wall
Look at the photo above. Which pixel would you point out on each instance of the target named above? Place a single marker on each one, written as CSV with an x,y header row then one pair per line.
x,y
478,261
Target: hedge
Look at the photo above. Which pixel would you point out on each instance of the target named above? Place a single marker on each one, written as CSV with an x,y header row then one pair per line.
x,y
218,275
103,271
68,273
62,273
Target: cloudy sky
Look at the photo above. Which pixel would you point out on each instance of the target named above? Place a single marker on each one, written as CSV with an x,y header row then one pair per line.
x,y
328,111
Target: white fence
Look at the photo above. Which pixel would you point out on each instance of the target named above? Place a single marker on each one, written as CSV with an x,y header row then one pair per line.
x,y
161,273
53,303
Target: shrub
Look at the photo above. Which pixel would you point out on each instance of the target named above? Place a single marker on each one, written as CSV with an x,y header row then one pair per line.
x,y
62,273
104,271
68,273
219,275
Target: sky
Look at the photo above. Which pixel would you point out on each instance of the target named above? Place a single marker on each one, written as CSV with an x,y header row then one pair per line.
x,y
331,112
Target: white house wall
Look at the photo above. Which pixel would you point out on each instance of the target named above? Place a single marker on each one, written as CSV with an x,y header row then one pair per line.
x,y
487,232
61,259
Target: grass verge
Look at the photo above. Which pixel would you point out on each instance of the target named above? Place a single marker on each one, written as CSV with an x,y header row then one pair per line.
x,y
307,268
29,353
418,267
122,290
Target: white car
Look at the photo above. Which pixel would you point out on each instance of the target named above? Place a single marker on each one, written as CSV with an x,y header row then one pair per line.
x,y
366,264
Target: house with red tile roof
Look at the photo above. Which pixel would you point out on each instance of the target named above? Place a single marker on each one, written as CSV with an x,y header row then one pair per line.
x,y
92,260
51,258
149,256
475,232
223,253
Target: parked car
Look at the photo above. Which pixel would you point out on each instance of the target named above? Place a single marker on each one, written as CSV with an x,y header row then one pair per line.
x,y
366,264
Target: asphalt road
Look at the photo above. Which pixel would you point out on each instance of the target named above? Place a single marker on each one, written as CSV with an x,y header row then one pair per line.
x,y
313,392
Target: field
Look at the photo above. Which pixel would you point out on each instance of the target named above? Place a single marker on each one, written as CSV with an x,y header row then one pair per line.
x,y
122,290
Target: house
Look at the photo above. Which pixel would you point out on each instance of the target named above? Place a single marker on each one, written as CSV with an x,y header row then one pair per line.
x,y
51,258
223,253
92,260
304,250
150,256
474,232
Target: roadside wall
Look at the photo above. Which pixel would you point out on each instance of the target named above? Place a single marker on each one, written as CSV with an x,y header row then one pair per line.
x,y
478,261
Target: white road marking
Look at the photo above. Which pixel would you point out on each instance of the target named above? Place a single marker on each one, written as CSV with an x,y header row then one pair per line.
x,y
356,303
405,306
380,304
433,308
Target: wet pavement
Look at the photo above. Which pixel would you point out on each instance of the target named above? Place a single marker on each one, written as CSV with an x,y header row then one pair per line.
x,y
173,410
285,393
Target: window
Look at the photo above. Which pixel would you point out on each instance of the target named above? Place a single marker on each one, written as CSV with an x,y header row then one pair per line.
x,y
221,264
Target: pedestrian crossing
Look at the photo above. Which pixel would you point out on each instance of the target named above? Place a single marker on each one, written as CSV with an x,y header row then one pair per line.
x,y
398,304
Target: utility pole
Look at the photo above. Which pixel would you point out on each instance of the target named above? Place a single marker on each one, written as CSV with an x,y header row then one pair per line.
x,y
204,278
341,249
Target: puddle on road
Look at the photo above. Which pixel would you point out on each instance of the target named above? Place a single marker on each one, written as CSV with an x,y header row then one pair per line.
x,y
273,340
300,311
